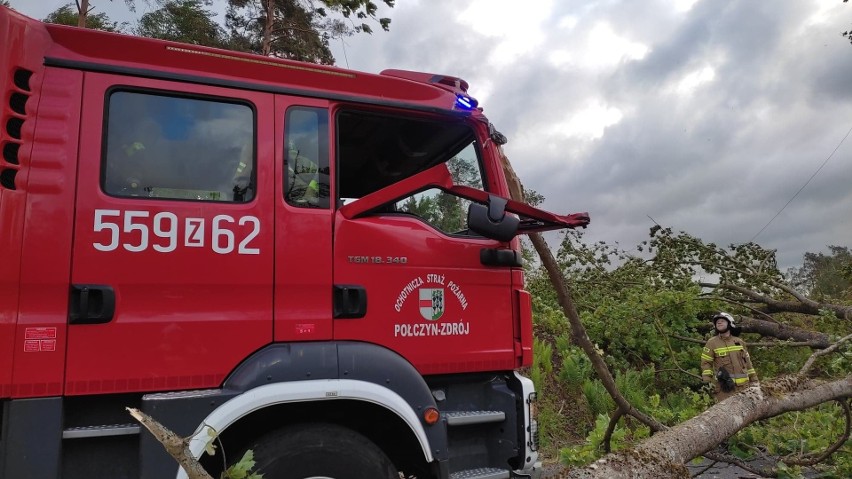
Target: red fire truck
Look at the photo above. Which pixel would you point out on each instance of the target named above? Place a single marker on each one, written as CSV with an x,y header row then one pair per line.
x,y
313,263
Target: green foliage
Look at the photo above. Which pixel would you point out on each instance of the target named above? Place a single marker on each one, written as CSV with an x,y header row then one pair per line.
x,y
553,425
628,308
298,29
532,197
788,472
184,21
210,447
848,33
442,210
555,401
836,365
638,307
635,386
633,325
780,361
799,433
592,448
824,276
576,367
677,406
68,15
242,469
842,464
362,10
684,407
680,257
547,319
542,364
239,470
596,396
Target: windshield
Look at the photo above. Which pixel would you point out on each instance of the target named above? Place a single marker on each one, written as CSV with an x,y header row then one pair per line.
x,y
375,150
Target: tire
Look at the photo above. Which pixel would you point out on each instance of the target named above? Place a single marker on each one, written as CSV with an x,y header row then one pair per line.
x,y
320,451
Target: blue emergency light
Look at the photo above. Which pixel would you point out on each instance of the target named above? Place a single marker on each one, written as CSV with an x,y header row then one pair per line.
x,y
465,102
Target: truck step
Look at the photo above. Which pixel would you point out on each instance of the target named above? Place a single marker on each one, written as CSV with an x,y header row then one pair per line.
x,y
100,431
464,418
181,395
481,473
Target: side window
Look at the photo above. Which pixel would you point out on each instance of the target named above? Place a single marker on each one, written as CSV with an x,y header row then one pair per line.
x,y
306,157
162,146
443,210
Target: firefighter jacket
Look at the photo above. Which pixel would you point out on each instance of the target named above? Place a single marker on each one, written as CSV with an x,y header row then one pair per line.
x,y
730,353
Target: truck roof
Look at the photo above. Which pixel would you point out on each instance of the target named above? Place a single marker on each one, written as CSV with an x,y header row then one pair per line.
x,y
95,50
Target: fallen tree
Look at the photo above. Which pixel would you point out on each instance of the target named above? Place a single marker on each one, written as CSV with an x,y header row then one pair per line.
x,y
665,453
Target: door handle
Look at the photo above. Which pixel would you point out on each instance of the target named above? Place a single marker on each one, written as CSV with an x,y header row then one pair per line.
x,y
350,301
91,304
501,257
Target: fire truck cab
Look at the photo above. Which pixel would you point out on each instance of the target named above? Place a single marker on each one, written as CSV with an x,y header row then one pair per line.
x,y
313,263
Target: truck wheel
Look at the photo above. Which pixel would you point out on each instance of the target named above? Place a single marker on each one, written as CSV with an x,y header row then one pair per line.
x,y
320,451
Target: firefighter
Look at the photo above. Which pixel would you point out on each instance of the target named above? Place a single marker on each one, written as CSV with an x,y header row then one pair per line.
x,y
725,359
302,179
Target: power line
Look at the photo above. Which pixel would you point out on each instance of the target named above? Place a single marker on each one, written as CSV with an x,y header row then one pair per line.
x,y
803,186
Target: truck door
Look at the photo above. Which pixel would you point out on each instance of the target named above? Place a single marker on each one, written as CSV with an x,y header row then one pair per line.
x,y
408,273
173,245
303,219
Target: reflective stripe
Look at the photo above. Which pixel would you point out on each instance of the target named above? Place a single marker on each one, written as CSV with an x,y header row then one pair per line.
x,y
751,371
706,357
741,380
727,349
707,372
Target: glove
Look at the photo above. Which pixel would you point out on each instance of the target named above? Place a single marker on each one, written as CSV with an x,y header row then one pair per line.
x,y
726,382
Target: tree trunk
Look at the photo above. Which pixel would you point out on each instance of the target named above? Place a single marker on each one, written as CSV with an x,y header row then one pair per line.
x,y
267,27
82,12
176,446
784,332
803,305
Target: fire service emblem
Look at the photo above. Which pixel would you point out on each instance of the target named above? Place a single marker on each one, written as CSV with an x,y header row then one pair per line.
x,y
431,303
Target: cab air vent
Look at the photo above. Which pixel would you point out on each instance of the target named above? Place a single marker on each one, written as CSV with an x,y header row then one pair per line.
x,y
7,178
18,103
22,79
14,115
13,127
10,153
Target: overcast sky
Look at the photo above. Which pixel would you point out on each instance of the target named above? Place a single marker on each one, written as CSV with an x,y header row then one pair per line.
x,y
705,115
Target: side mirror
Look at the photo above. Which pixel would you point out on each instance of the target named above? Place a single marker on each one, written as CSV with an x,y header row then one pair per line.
x,y
492,221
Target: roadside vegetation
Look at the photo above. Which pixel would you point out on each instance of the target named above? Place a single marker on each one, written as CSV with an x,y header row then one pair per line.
x,y
647,313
